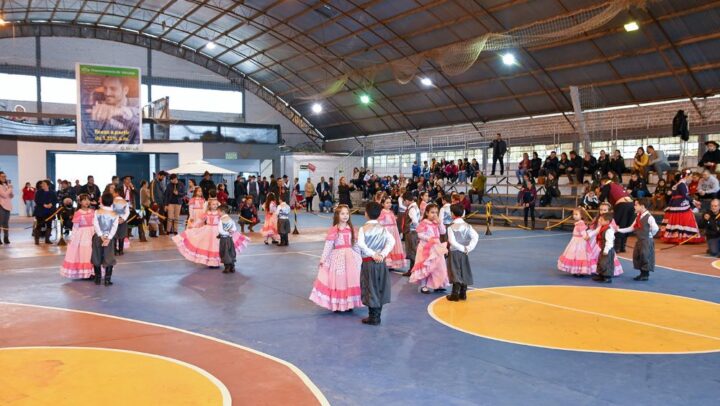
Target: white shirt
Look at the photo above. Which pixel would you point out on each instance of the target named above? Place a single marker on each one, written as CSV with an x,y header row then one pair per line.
x,y
414,213
453,242
366,250
445,214
226,229
651,222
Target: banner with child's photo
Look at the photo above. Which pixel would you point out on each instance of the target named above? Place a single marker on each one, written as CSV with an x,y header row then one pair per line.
x,y
109,110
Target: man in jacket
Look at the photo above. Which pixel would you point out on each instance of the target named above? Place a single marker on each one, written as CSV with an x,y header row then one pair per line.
x,y
478,187
658,161
711,224
239,190
323,191
309,195
711,157
157,196
93,192
206,184
499,148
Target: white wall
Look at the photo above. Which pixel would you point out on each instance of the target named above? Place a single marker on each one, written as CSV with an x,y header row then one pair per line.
x,y
326,165
32,156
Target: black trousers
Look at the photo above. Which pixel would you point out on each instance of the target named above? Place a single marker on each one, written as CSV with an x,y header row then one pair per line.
x,y
495,160
529,210
624,216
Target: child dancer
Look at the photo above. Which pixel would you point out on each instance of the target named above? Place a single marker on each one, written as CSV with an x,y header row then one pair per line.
x,y
201,245
430,270
337,286
578,257
283,223
605,237
105,225
227,232
645,228
446,215
603,209
122,209
410,223
462,239
196,209
270,227
77,263
248,214
375,244
396,260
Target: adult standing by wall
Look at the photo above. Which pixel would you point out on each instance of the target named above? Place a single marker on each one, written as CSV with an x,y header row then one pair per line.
x,y
253,189
499,148
157,195
309,195
206,184
240,190
29,199
45,200
173,199
6,196
92,190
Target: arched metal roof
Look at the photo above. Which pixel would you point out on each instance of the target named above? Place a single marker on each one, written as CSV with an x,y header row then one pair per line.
x,y
290,49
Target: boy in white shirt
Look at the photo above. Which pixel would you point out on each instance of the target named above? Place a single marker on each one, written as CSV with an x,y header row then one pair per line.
x,y
462,239
375,243
645,227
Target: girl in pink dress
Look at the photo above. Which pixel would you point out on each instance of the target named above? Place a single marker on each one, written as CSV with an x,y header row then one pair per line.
x,y
594,249
430,269
196,209
77,263
424,199
396,259
337,286
577,259
270,228
200,243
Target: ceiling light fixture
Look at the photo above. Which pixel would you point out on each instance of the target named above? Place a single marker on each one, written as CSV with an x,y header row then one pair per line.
x,y
317,108
364,99
210,45
508,59
426,82
632,26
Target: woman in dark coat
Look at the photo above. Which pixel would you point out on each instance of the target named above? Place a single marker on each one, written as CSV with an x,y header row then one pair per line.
x,y
617,164
45,200
344,190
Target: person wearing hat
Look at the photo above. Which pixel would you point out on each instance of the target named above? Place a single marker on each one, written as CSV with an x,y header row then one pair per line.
x,y
128,192
711,157
206,184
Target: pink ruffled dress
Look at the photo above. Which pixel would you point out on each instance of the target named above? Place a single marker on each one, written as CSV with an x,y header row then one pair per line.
x,y
396,259
201,245
77,263
337,286
196,211
430,266
270,228
577,259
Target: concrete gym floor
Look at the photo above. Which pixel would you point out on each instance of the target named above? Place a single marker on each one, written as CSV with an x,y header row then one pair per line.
x,y
411,358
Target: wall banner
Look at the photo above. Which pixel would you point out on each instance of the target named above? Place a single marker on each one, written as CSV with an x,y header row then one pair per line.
x,y
108,111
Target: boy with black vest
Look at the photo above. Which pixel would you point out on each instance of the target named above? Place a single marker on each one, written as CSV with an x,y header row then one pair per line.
x,y
645,227
375,243
410,223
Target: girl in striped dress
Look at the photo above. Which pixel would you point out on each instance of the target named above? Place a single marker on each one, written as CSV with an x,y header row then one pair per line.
x,y
270,227
77,263
396,259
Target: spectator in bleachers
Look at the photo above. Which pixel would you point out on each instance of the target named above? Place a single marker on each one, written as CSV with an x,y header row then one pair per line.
x,y
425,171
416,170
574,168
658,161
465,203
660,196
451,171
461,172
637,186
589,165
551,189
603,164
640,162
711,224
499,148
563,164
711,157
475,168
693,184
523,168
590,200
550,164
708,186
478,187
617,165
344,190
535,165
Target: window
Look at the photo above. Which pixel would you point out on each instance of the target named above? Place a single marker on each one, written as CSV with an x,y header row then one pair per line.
x,y
18,88
190,99
58,90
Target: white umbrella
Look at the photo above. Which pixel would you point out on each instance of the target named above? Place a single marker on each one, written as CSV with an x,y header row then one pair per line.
x,y
199,168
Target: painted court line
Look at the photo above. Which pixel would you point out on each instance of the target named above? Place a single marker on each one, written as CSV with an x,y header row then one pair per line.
x,y
224,392
297,371
643,323
675,269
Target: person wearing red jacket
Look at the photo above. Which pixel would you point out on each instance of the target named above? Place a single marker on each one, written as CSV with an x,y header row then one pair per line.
x,y
28,196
